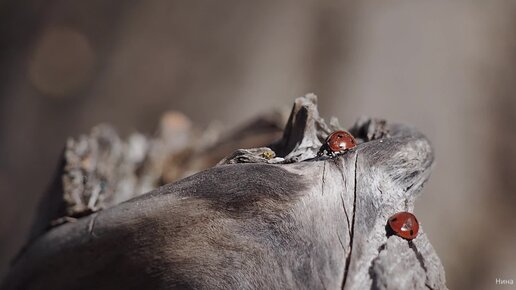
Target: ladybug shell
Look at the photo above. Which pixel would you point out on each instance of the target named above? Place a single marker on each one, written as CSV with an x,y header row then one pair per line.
x,y
340,141
405,225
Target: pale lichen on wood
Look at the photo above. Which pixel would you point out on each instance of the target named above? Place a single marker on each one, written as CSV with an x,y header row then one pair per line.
x,y
274,217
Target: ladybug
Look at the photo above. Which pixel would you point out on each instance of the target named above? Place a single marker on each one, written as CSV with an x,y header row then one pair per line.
x,y
404,224
336,143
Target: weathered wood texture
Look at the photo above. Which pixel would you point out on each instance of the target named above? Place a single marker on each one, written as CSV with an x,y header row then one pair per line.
x,y
256,221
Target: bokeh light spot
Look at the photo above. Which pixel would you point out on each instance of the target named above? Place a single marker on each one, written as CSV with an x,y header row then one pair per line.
x,y
62,62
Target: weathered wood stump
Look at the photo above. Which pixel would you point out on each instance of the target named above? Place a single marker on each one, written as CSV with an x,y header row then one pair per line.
x,y
273,217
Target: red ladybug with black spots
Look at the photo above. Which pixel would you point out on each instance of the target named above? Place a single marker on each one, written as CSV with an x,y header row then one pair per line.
x,y
404,224
337,143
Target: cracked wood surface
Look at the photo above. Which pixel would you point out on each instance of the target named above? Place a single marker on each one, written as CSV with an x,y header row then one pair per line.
x,y
257,221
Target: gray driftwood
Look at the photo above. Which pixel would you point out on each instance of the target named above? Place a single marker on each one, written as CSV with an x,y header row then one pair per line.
x,y
257,220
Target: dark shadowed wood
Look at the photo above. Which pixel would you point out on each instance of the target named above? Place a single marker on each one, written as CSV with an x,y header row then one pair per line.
x,y
258,220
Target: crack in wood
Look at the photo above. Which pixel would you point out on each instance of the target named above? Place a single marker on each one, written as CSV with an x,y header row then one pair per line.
x,y
421,261
323,175
322,193
418,255
344,204
341,243
348,259
372,273
91,225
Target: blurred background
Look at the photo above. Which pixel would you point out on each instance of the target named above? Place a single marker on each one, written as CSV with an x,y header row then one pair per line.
x,y
448,68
